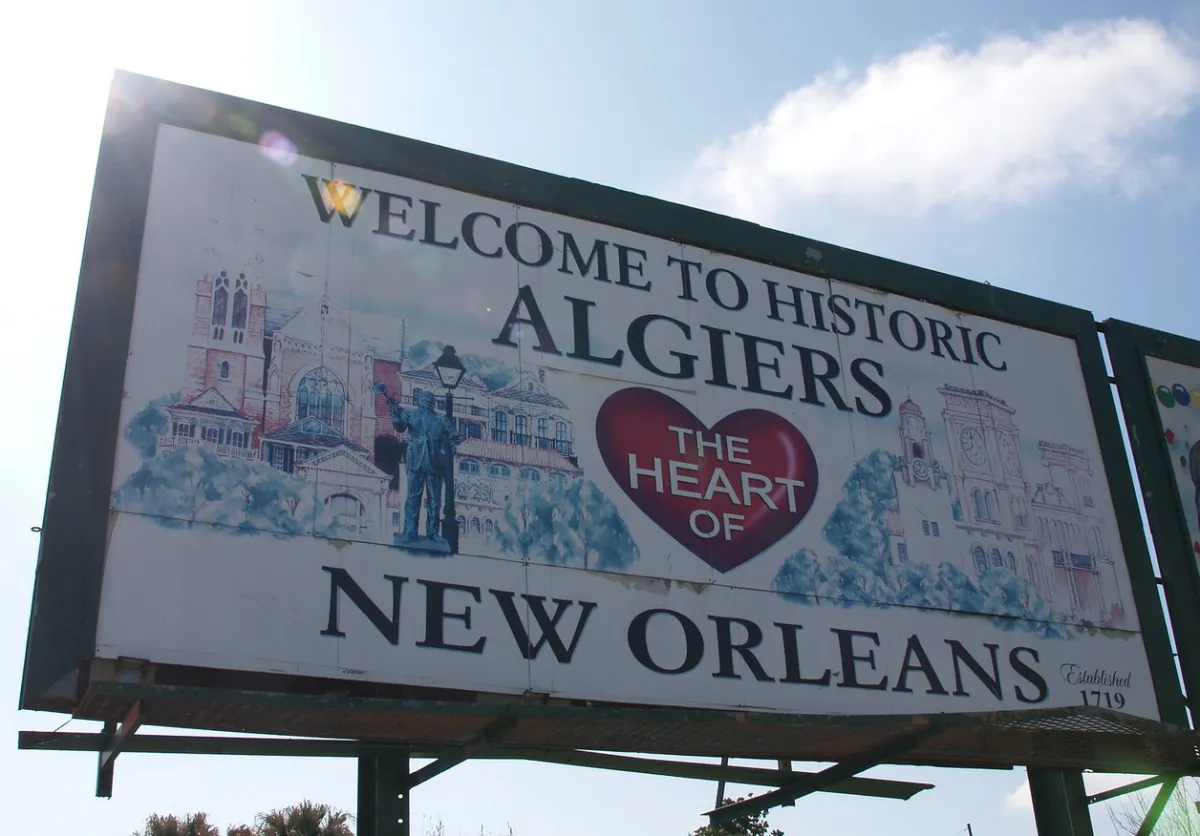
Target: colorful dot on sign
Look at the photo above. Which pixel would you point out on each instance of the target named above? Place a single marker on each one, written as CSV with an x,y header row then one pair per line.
x,y
1196,398
1170,437
1196,547
1164,396
1183,462
1181,394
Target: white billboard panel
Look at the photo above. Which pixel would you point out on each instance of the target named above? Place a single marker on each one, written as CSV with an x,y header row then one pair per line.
x,y
679,478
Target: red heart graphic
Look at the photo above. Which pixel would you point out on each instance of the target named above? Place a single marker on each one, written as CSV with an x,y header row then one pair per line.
x,y
759,482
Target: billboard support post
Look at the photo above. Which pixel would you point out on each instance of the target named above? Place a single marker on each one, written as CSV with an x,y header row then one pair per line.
x,y
383,789
1060,803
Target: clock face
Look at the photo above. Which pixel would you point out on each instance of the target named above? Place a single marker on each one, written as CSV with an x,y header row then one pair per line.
x,y
920,469
973,446
1009,455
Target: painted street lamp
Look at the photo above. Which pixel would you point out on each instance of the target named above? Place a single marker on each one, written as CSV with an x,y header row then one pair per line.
x,y
450,371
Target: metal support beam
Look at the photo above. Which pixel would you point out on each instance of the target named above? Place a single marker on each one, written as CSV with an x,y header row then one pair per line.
x,y
383,803
310,748
1060,803
116,738
818,781
1157,807
479,744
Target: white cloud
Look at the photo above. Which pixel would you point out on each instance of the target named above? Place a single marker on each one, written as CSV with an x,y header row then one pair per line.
x,y
1019,800
1005,124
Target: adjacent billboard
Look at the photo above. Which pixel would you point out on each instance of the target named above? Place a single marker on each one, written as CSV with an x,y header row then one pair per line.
x,y
1158,379
667,474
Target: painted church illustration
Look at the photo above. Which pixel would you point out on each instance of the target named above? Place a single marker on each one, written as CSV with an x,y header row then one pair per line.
x,y
980,509
295,390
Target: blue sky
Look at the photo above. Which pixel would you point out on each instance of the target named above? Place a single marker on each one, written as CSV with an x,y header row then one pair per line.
x,y
1049,148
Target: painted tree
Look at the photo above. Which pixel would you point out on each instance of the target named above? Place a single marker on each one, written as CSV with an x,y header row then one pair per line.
x,y
194,484
148,424
752,825
578,526
856,528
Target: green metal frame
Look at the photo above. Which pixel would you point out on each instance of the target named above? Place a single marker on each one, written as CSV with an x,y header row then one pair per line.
x,y
1128,347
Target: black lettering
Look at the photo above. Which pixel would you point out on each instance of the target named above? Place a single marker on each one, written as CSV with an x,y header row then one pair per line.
x,y
583,336
841,315
430,236
894,326
825,378
849,660
340,580
923,666
939,338
685,275
545,342
797,303
694,641
968,353
625,266
636,338
726,648
979,348
755,365
336,196
873,388
959,654
710,282
468,234
872,326
818,311
547,624
791,658
1028,674
599,254
716,350
436,615
386,214
512,241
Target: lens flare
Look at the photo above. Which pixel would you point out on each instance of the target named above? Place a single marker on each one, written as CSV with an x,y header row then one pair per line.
x,y
277,147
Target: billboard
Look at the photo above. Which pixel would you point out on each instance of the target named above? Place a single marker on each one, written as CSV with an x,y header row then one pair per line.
x,y
1158,379
671,471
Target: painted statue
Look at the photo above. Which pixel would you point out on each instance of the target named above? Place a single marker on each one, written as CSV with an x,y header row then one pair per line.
x,y
428,461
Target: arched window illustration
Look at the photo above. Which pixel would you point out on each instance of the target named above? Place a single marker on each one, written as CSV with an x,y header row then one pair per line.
x,y
239,310
918,450
543,432
322,396
522,428
500,471
980,559
489,528
345,508
1012,562
560,437
220,306
224,370
997,560
462,522
500,426
993,508
475,525
528,474
468,466
980,506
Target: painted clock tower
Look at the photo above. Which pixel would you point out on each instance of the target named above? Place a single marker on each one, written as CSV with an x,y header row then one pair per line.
x,y
986,466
